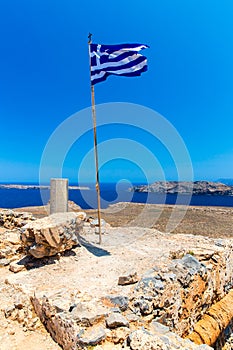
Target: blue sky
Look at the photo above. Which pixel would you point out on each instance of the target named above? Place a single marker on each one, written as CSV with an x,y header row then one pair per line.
x,y
44,72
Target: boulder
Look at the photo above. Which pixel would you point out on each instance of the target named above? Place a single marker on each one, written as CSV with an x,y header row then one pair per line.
x,y
53,234
129,277
115,320
92,336
15,267
87,314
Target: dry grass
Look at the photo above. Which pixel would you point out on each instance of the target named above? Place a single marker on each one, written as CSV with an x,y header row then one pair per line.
x,y
206,221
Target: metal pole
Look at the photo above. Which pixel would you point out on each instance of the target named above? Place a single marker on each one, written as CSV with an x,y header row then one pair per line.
x,y
96,150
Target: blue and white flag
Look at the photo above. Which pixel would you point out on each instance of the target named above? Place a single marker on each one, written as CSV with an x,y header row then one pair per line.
x,y
121,59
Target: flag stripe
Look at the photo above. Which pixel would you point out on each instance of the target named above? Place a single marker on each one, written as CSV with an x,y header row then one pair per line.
x,y
113,48
123,60
110,58
141,67
114,66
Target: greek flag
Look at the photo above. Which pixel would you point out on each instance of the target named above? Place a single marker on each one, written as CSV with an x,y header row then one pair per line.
x,y
121,59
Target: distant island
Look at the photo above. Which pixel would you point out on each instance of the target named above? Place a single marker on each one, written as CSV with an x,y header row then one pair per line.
x,y
36,187
185,187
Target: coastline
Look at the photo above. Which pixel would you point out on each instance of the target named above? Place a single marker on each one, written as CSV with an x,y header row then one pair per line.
x,y
38,187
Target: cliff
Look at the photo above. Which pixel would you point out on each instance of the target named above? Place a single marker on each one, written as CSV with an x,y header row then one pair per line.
x,y
185,187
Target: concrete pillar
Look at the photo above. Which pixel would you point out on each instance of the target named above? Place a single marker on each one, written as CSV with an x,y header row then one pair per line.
x,y
58,196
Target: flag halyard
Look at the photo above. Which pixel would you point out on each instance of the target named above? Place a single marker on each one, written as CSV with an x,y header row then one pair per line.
x,y
122,60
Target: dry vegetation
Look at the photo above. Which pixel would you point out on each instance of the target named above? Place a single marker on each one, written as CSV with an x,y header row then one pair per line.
x,y
207,221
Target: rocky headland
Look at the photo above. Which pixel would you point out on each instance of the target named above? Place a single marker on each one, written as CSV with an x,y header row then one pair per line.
x,y
185,187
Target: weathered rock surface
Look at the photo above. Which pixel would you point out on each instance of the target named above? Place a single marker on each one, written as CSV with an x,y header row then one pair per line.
x,y
179,294
4,262
88,313
214,322
51,235
16,267
147,340
197,187
10,245
11,223
11,219
91,337
181,277
130,277
116,319
16,306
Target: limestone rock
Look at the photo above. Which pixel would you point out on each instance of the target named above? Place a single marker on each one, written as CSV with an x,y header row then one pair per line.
x,y
119,301
10,243
17,307
115,320
179,294
129,277
92,336
16,267
159,328
87,314
11,219
145,305
4,262
216,320
119,335
53,234
143,340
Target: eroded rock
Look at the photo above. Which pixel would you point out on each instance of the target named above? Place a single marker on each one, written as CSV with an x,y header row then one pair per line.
x,y
53,234
92,336
87,314
115,320
16,266
144,340
10,244
130,277
11,219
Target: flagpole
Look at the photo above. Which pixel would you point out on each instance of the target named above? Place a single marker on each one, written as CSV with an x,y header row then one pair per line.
x,y
95,148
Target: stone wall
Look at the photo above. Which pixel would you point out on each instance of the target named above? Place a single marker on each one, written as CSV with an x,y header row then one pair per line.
x,y
178,295
163,306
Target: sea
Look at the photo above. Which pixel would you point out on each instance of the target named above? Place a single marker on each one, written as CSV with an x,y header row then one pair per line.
x,y
110,194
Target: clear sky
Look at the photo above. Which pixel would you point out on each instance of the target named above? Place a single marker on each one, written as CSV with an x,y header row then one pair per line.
x,y
44,79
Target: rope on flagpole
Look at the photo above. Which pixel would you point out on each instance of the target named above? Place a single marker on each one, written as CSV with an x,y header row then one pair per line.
x,y
95,147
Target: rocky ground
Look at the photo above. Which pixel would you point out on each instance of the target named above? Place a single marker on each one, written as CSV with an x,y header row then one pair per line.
x,y
89,272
